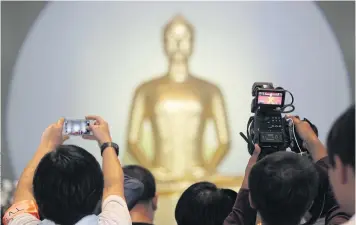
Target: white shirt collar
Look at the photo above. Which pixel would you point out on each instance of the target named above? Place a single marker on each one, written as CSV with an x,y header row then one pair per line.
x,y
351,221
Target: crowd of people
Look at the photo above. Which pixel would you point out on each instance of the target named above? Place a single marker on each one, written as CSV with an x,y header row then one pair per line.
x,y
65,185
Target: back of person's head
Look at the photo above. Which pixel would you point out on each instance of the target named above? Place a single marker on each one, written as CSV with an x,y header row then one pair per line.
x,y
147,179
282,187
341,150
204,204
68,184
341,139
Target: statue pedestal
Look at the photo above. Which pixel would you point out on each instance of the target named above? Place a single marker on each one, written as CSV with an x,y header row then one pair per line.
x,y
169,193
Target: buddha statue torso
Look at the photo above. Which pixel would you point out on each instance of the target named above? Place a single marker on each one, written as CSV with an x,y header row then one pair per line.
x,y
178,113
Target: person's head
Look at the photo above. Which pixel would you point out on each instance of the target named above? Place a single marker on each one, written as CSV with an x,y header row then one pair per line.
x,y
68,184
204,204
147,204
282,187
178,39
341,150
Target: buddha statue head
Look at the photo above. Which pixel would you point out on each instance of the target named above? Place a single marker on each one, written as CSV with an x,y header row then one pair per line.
x,y
178,39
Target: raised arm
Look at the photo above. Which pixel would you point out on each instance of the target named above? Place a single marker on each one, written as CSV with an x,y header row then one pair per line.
x,y
242,213
113,174
222,130
51,138
311,140
137,116
114,207
334,215
24,209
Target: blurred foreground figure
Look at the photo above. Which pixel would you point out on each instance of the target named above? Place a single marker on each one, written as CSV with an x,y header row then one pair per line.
x,y
341,149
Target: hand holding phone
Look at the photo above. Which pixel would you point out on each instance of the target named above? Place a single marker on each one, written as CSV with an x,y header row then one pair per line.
x,y
53,135
99,130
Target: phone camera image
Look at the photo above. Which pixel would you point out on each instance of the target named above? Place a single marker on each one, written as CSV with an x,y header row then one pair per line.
x,y
76,127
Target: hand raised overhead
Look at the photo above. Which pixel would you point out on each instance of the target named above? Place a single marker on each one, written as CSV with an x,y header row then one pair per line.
x,y
53,135
100,130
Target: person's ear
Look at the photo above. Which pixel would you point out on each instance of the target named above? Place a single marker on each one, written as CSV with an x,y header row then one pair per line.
x,y
154,202
251,202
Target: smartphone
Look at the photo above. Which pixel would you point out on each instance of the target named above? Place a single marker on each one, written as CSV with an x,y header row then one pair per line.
x,y
76,127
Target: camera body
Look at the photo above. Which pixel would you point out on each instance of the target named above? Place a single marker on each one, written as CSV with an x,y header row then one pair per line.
x,y
268,127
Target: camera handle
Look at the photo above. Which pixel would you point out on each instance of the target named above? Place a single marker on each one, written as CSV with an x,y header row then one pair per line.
x,y
250,145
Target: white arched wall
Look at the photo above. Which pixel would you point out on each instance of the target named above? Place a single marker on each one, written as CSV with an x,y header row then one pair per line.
x,y
87,58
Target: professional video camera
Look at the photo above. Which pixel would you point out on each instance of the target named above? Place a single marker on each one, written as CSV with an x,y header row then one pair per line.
x,y
267,127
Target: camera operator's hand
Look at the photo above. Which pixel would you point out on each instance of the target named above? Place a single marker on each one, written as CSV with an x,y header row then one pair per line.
x,y
100,129
304,130
53,135
251,162
311,140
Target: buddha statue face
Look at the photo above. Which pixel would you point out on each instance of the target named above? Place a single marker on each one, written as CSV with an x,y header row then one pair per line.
x,y
178,39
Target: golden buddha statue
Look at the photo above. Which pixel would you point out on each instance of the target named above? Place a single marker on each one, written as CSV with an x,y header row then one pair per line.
x,y
178,106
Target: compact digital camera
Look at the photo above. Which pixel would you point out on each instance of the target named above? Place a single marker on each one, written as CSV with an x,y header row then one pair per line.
x,y
268,127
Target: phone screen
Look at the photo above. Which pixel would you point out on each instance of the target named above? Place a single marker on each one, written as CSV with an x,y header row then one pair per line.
x,y
76,127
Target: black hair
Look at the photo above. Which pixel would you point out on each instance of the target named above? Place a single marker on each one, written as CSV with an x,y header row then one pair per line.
x,y
68,184
204,204
341,139
283,186
145,177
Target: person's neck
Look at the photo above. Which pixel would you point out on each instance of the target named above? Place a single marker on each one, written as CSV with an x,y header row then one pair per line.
x,y
178,71
140,214
351,197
